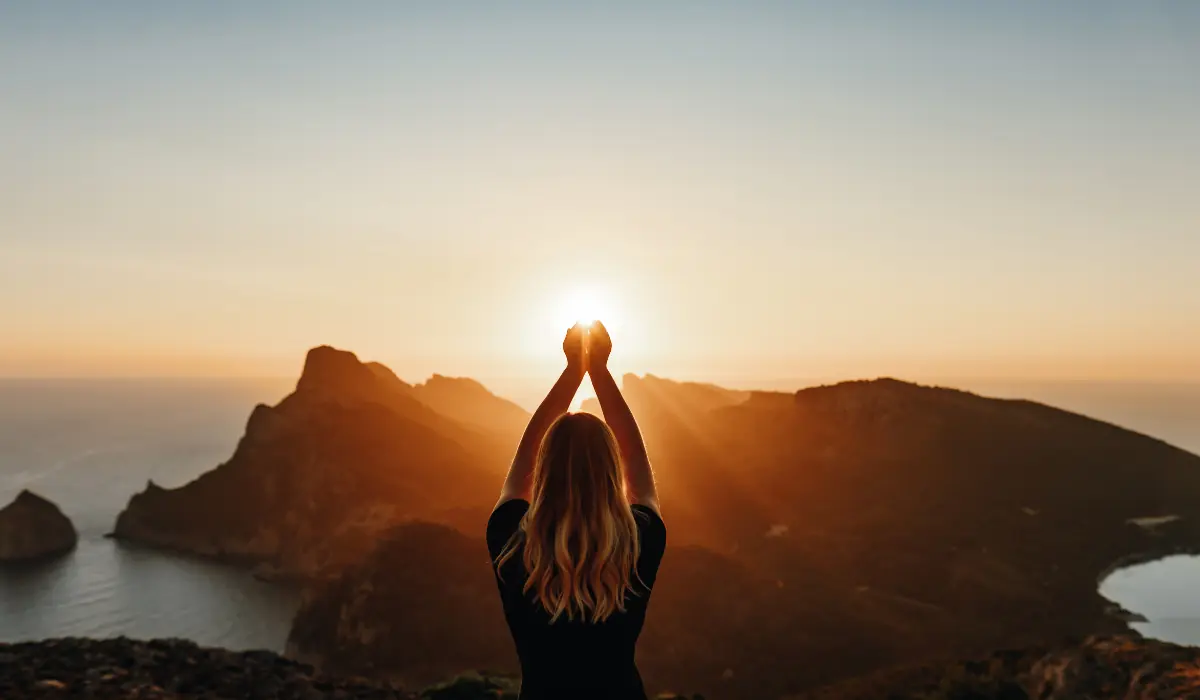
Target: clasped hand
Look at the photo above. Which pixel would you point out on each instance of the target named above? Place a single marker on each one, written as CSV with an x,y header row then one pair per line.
x,y
587,347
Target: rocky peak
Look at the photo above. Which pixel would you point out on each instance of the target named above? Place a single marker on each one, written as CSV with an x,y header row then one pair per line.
x,y
29,499
465,385
328,369
338,376
470,403
315,477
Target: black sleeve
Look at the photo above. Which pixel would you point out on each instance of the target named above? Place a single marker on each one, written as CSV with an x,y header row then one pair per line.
x,y
652,532
503,523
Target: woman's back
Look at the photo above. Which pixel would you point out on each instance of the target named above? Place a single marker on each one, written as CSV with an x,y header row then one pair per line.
x,y
576,537
575,658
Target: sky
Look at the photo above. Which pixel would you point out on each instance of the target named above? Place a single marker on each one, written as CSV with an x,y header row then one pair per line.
x,y
743,191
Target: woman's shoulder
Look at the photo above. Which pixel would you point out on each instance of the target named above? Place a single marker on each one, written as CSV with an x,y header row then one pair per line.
x,y
508,513
650,523
646,513
503,522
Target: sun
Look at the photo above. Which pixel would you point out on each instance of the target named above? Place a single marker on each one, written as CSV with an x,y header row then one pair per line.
x,y
585,306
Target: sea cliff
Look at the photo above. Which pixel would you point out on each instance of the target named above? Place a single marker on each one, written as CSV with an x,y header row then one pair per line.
x,y
316,479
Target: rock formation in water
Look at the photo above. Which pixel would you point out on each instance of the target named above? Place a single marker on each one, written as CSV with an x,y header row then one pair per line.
x,y
351,453
855,526
32,527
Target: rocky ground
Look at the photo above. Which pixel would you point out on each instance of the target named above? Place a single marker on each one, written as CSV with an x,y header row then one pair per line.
x,y
172,668
1101,667
123,668
1097,668
176,669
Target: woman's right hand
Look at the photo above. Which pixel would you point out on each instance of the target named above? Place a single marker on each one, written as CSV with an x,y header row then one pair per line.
x,y
575,348
599,346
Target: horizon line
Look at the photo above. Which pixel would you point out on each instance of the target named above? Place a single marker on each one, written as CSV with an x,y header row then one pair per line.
x,y
803,381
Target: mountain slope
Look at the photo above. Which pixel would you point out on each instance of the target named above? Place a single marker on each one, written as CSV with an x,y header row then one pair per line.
x,y
857,526
469,402
315,479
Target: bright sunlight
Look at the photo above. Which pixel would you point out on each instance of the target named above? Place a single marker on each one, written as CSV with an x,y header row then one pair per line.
x,y
584,306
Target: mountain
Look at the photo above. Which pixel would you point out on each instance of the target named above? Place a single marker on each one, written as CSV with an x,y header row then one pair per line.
x,y
651,391
469,402
32,527
929,520
856,526
421,607
679,396
352,452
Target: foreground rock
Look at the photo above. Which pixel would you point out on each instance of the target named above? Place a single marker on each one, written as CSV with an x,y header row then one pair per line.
x,y
171,668
1099,668
316,479
422,607
32,527
856,527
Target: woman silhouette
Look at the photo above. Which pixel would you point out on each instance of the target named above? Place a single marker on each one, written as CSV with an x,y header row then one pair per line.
x,y
576,537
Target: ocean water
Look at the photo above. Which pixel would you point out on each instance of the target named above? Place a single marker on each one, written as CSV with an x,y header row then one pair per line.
x,y
89,444
1166,592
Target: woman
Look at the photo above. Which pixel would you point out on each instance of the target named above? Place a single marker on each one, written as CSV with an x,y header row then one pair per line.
x,y
576,538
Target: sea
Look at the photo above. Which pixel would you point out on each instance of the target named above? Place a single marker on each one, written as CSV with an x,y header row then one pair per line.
x,y
88,444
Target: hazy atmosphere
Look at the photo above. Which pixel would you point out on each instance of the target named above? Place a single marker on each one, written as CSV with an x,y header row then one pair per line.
x,y
746,193
307,311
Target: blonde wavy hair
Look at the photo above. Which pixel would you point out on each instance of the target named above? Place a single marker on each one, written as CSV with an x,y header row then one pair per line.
x,y
579,537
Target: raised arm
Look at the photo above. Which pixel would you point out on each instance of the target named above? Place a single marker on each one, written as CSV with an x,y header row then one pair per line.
x,y
518,483
639,476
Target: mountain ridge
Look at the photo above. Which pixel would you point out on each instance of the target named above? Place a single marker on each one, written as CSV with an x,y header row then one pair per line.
x,y
860,525
347,455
